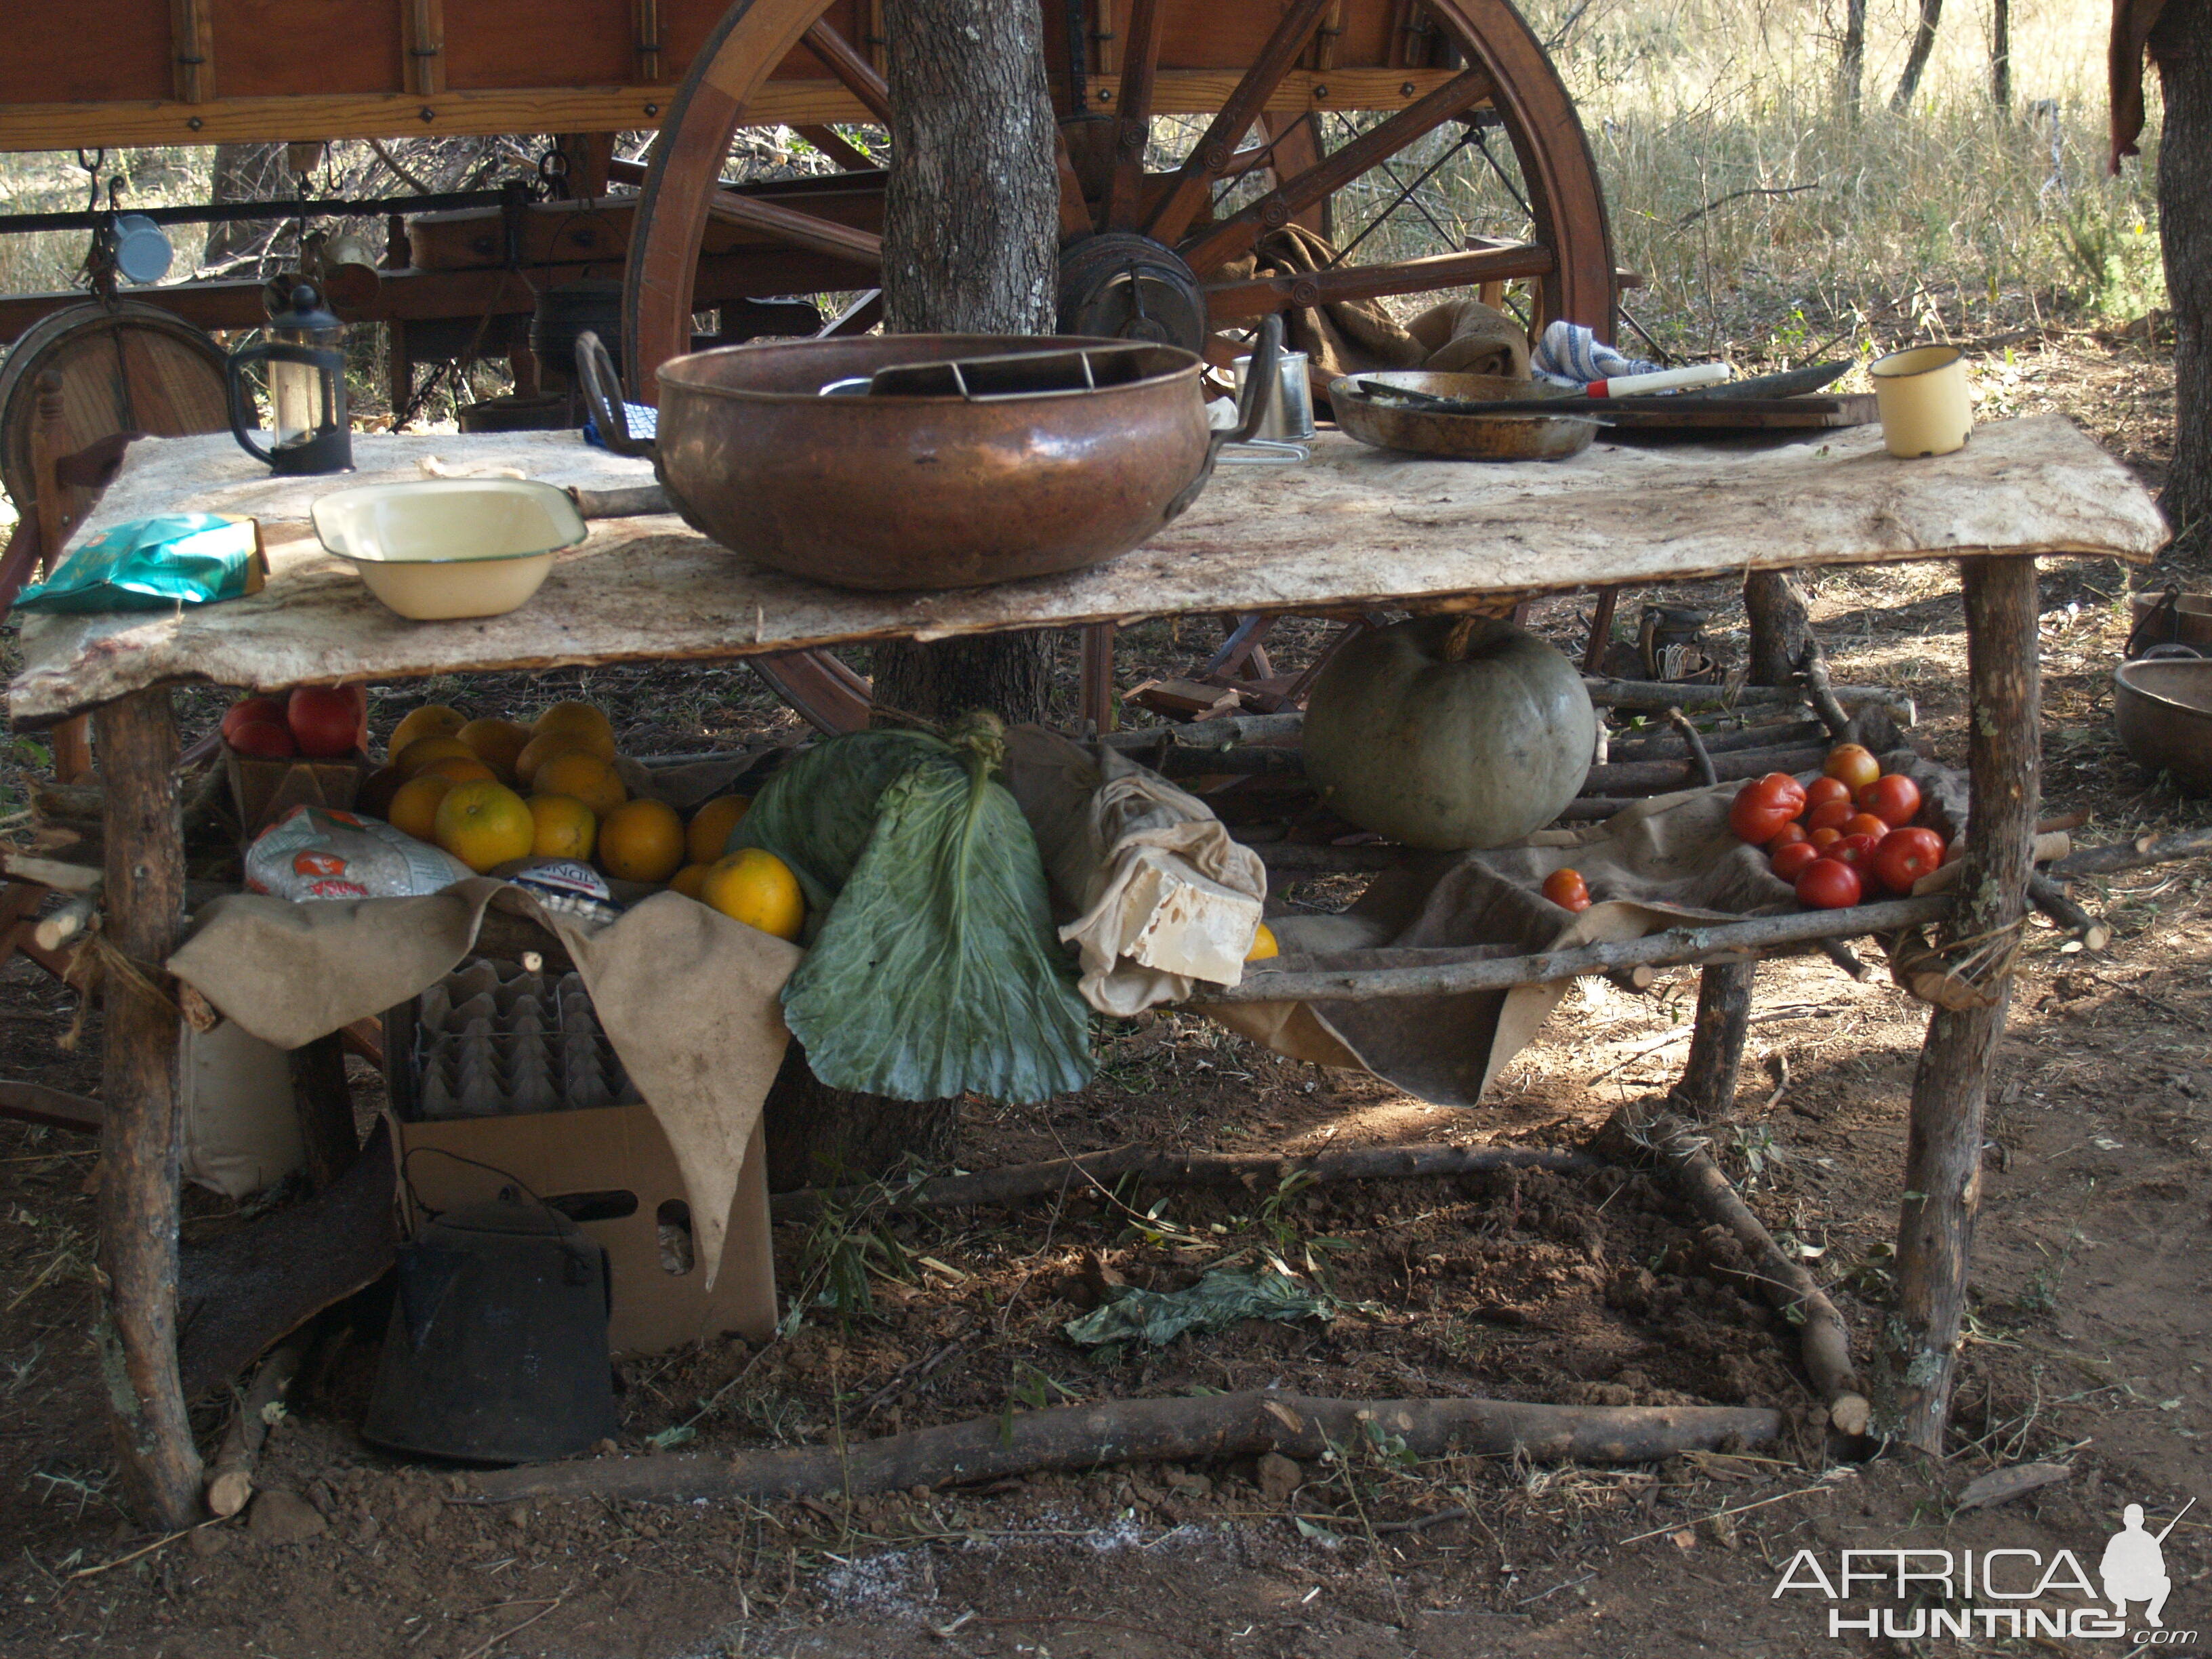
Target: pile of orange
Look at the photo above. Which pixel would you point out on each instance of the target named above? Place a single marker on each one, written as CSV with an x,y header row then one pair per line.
x,y
491,791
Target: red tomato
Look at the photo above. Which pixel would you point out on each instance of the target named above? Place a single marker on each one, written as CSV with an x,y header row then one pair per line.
x,y
1829,815
1824,789
1852,764
265,740
1905,856
1828,884
1824,837
1792,832
325,720
1857,850
1566,889
1789,862
1865,824
1893,799
252,708
1762,806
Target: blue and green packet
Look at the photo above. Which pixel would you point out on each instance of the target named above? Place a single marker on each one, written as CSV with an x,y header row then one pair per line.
x,y
157,564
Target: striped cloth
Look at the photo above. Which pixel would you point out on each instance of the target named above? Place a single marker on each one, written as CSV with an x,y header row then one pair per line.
x,y
1569,355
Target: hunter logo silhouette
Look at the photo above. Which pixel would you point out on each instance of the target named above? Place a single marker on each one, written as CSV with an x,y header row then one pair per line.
x,y
2134,1567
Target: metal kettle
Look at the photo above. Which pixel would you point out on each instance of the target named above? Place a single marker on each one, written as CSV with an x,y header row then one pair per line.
x,y
497,1349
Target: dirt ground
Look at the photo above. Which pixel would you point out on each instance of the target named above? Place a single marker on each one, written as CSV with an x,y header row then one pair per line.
x,y
2092,1305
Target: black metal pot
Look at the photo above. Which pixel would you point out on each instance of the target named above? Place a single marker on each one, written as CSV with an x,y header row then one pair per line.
x,y
570,310
497,1349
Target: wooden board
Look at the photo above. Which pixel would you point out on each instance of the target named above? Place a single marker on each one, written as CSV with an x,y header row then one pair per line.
x,y
1352,527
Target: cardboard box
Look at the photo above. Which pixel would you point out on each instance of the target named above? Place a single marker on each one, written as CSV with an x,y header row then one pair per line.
x,y
263,791
618,1156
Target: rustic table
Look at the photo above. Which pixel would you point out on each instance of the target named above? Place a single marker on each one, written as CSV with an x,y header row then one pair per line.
x,y
1351,528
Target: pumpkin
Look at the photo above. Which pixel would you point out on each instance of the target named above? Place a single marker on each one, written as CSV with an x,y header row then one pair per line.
x,y
1449,732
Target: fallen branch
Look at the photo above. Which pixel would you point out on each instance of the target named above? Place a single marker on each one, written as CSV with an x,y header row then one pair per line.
x,y
1251,1171
1667,745
2132,855
1823,1342
1452,972
1701,759
2052,900
1661,694
230,1476
1144,1431
34,1103
1661,775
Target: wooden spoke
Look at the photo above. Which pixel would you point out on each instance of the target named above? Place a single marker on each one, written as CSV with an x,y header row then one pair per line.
x,y
1074,211
858,74
801,230
838,147
1378,144
1257,296
1194,180
1132,123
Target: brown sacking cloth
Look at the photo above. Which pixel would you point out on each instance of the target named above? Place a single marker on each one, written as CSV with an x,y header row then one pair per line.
x,y
1663,863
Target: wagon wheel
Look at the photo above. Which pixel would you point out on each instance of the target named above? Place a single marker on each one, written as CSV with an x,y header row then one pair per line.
x,y
1156,253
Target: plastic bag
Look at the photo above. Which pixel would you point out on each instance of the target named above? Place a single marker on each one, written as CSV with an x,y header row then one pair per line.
x,y
157,564
313,853
932,968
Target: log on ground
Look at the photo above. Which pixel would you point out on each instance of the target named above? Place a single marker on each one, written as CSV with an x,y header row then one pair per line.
x,y
1145,1430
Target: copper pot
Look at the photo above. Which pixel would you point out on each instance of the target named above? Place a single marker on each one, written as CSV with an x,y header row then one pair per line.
x,y
943,488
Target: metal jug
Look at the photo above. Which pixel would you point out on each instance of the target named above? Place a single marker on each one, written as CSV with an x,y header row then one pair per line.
x,y
497,1349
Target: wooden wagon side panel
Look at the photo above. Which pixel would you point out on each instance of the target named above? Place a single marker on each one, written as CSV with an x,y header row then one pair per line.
x,y
299,48
84,51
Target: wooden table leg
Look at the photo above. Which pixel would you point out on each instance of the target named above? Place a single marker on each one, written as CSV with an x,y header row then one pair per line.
x,y
1097,700
1943,1155
1707,1089
141,1143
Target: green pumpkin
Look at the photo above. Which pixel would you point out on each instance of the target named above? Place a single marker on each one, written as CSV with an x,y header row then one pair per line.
x,y
1449,732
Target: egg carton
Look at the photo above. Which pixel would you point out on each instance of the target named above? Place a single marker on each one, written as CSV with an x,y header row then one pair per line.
x,y
494,1038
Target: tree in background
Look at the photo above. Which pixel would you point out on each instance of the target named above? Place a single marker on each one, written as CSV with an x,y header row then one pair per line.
x,y
2178,35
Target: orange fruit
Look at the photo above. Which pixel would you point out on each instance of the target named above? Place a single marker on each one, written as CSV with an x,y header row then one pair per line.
x,y
1263,944
581,719
756,888
708,836
497,743
565,827
461,769
483,822
690,881
414,808
376,790
585,775
432,720
641,840
418,755
544,747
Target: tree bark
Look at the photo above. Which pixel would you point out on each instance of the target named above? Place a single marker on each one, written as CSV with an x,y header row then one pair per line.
x,y
819,1136
1850,66
1707,1090
2001,54
243,172
1943,1149
2182,45
1781,628
971,227
1916,60
141,1145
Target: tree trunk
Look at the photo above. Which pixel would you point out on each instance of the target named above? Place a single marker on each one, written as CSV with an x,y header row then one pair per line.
x,y
2001,54
243,172
1781,628
1850,66
1916,61
2182,44
971,229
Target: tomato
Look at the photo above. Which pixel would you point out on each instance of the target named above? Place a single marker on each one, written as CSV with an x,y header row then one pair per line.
x,y
1829,815
1824,789
1824,837
1762,806
252,708
1792,832
1852,764
1864,824
264,740
325,720
1856,850
1567,890
1789,862
1905,856
1891,798
1828,884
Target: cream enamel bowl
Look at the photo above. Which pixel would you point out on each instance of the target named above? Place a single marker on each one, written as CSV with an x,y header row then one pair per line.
x,y
438,549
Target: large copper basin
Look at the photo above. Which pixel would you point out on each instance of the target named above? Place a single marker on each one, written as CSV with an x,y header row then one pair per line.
x,y
929,491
